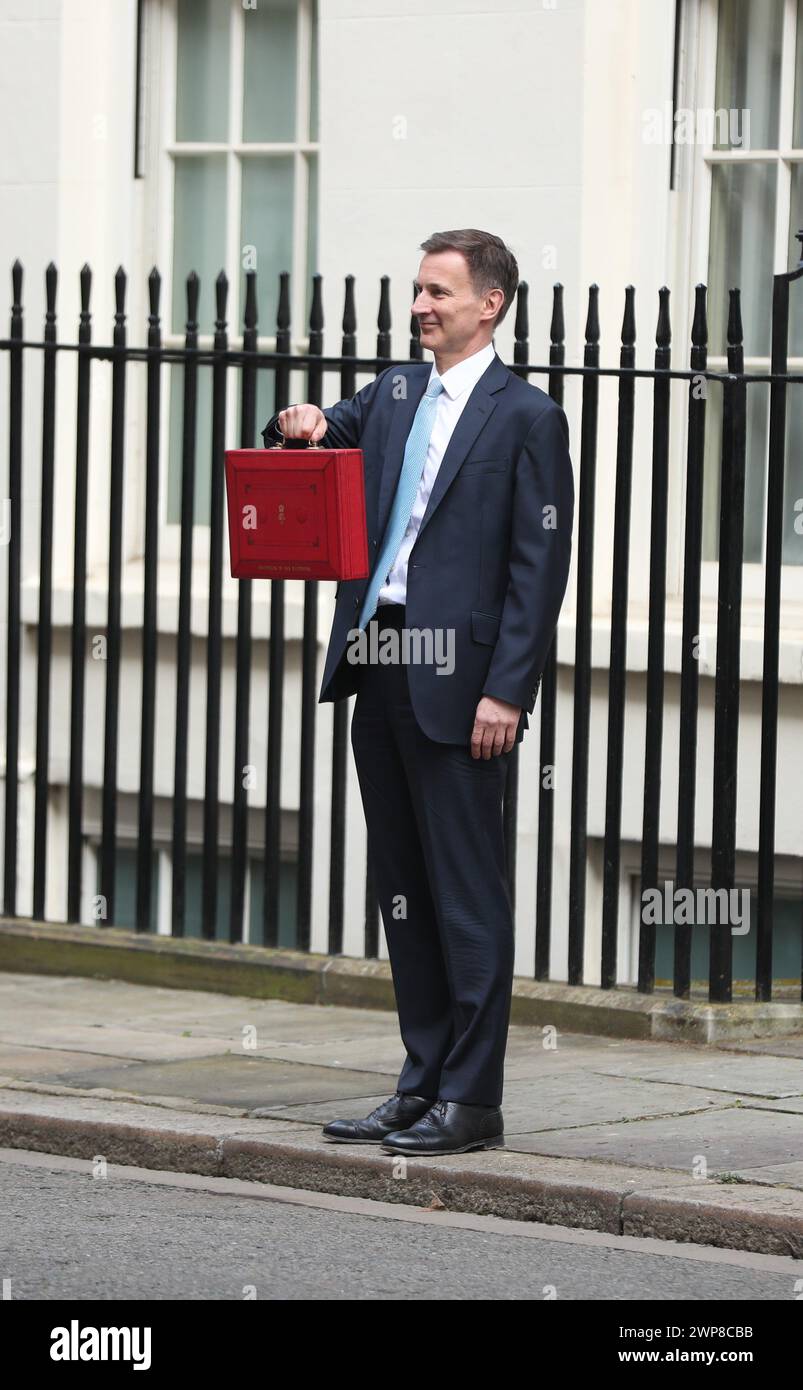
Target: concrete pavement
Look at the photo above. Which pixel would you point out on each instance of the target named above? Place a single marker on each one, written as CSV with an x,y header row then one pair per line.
x,y
639,1137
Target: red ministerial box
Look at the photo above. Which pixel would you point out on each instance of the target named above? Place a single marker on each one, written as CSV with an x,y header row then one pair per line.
x,y
296,513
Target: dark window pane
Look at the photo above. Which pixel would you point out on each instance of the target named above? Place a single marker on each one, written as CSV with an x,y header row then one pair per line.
x,y
203,445
266,230
740,253
797,132
193,896
199,234
269,87
755,485
202,70
749,72
787,917
796,288
288,888
312,229
792,553
125,887
313,96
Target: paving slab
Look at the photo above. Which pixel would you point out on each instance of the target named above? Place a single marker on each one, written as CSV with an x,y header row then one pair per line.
x,y
106,1002
273,1023
34,1062
237,1081
719,1070
576,1098
384,1057
770,1047
132,1114
730,1140
792,1104
116,1041
776,1174
525,1054
549,1103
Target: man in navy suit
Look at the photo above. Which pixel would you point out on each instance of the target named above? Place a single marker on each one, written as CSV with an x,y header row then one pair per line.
x,y
470,504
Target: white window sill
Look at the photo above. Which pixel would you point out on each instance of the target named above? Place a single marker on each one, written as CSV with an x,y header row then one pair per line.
x,y
751,658
131,601
751,661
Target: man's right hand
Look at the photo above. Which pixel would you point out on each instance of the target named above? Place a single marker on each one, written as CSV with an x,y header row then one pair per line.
x,y
303,422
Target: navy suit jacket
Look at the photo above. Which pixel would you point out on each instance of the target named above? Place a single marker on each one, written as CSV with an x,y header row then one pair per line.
x,y
491,558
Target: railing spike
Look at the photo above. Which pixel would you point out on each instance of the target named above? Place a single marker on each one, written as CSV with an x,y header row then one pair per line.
x,y
349,324
250,316
283,308
592,317
383,318
316,308
629,317
193,292
557,327
221,300
51,285
663,331
699,328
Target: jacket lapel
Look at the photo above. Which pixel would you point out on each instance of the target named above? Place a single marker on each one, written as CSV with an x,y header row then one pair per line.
x,y
476,412
401,423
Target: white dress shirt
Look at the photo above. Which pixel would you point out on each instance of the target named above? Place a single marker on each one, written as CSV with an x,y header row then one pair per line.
x,y
458,383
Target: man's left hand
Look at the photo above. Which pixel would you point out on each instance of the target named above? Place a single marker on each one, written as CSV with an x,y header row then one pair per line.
x,y
495,725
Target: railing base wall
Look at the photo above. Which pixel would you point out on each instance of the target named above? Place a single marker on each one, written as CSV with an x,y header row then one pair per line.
x,y
257,972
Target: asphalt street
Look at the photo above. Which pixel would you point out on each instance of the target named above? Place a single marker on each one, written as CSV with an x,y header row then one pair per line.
x,y
70,1232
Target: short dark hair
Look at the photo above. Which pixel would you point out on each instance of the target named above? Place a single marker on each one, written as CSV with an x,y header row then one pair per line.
x,y
491,265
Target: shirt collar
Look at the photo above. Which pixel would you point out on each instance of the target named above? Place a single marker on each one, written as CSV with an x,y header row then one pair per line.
x,y
463,376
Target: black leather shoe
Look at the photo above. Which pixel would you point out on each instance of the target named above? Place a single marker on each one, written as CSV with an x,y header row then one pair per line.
x,y
392,1115
450,1127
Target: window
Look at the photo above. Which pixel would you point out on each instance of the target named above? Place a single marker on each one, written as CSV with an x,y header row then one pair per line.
x,y
786,912
125,894
755,206
238,191
125,885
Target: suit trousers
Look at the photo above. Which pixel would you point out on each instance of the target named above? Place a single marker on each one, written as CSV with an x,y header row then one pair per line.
x,y
436,847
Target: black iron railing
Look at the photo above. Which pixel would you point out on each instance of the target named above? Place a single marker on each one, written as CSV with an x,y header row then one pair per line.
x,y
221,359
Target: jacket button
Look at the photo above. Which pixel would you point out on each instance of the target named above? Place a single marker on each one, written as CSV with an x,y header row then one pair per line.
x,y
356,601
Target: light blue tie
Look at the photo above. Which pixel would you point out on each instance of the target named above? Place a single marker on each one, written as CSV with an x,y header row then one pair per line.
x,y
415,457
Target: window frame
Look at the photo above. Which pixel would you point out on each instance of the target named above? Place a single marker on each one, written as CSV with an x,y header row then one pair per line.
x,y
127,840
161,46
704,53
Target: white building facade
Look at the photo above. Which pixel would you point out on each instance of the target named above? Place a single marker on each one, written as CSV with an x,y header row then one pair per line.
x,y
333,137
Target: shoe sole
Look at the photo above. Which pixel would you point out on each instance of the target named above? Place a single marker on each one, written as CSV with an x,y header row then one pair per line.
x,y
497,1142
339,1139
342,1139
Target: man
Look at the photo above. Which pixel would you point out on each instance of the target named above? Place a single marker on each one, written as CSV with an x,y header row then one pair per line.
x,y
469,503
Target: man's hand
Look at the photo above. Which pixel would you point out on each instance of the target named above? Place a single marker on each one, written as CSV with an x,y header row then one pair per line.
x,y
303,422
495,725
